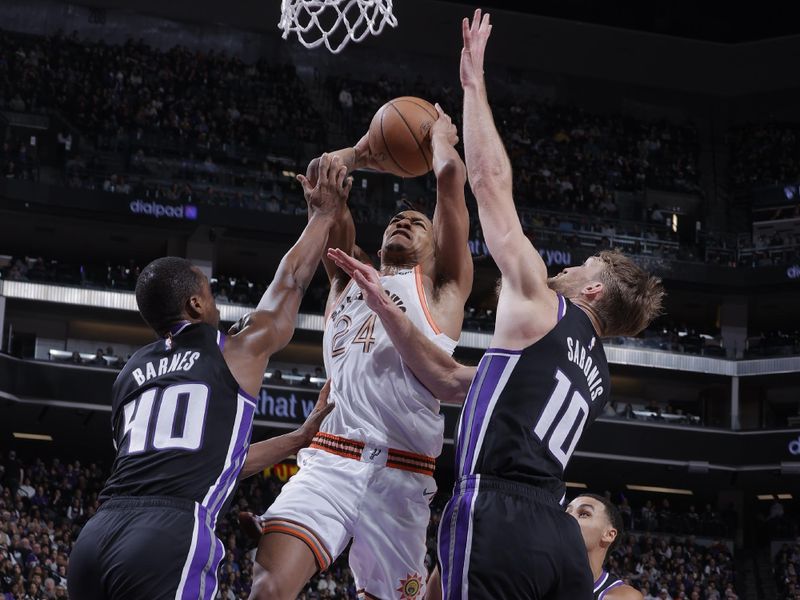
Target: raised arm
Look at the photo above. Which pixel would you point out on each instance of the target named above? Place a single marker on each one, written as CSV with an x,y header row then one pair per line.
x,y
446,379
255,337
489,171
343,232
450,218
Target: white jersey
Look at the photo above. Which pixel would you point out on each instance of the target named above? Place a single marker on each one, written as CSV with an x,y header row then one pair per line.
x,y
378,398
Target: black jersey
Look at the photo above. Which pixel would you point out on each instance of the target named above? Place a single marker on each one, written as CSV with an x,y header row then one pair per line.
x,y
605,582
526,409
181,424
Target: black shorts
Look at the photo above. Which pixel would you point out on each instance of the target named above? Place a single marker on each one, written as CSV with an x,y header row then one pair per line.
x,y
501,539
145,547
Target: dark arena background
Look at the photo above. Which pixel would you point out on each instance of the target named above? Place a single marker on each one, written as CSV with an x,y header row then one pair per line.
x,y
133,129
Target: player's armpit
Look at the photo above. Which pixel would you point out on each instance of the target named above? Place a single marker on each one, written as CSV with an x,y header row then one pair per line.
x,y
252,340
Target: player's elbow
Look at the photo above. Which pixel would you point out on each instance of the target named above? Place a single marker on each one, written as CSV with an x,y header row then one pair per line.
x,y
455,395
456,385
488,189
451,171
283,330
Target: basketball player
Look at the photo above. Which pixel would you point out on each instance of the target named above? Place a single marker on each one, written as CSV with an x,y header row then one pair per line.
x,y
601,527
545,377
368,474
182,414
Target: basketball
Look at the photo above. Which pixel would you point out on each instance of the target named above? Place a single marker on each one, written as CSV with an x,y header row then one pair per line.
x,y
399,136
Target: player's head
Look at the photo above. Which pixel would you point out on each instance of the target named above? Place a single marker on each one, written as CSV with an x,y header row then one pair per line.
x,y
600,521
624,296
170,290
408,240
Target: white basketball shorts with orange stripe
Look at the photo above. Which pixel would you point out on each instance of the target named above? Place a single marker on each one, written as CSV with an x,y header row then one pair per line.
x,y
384,509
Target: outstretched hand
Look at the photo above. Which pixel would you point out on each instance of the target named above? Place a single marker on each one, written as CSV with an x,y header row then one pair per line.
x,y
322,409
443,128
476,35
365,276
332,187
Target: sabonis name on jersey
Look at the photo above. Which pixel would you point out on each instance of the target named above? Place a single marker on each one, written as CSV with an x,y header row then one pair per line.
x,y
579,354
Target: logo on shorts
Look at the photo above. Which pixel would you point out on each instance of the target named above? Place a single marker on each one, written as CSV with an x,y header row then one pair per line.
x,y
374,453
410,587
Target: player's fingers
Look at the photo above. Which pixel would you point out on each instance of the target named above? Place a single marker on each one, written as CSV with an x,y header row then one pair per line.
x,y
341,175
485,22
327,409
333,254
324,166
348,185
305,183
333,170
465,32
360,280
476,19
324,392
367,279
343,261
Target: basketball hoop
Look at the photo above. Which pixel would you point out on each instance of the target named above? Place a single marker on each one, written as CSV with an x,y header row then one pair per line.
x,y
334,22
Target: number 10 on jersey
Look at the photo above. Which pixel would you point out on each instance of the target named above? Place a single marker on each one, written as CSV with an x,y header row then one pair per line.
x,y
560,436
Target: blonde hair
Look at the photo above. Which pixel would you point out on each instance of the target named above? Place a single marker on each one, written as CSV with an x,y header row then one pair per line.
x,y
631,297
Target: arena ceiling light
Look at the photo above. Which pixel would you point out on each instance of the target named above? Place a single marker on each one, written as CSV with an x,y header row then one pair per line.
x,y
658,490
573,484
41,437
765,497
784,496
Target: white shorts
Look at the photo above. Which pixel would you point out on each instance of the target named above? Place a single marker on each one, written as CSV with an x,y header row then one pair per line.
x,y
385,511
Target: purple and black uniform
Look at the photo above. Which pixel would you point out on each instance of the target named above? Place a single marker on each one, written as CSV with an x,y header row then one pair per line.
x,y
504,534
605,582
181,426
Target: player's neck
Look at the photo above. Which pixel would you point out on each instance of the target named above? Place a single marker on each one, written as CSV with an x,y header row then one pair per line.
x,y
594,316
596,559
177,327
394,267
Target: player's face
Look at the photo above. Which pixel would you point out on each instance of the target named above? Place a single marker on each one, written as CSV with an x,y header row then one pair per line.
x,y
408,238
207,301
572,280
591,516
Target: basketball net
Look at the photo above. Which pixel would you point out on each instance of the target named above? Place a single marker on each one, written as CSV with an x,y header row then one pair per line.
x,y
334,22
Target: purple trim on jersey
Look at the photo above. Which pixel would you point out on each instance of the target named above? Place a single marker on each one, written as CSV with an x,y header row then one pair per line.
x,y
502,351
600,580
617,583
465,420
221,340
453,550
212,569
562,308
443,538
178,327
228,478
252,399
199,575
489,373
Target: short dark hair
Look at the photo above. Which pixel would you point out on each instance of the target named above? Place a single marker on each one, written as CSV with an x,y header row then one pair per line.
x,y
163,289
613,514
